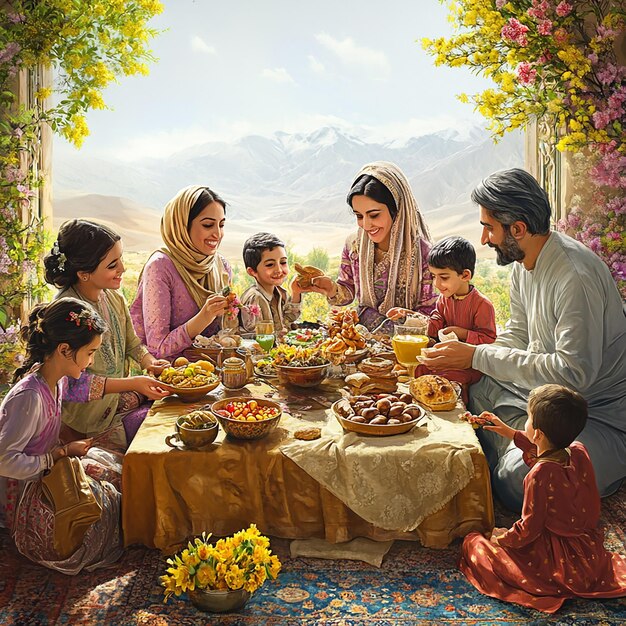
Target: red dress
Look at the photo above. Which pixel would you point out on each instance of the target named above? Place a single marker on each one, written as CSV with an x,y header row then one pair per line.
x,y
556,550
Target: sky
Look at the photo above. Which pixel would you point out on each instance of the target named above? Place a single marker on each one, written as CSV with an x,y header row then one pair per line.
x,y
239,67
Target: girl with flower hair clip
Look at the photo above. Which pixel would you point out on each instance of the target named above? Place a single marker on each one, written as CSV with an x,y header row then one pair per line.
x,y
61,340
86,263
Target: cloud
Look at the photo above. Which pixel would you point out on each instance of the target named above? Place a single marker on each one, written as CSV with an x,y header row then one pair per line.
x,y
199,45
315,65
353,55
277,74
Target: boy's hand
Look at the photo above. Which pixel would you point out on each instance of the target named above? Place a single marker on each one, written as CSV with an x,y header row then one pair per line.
x,y
496,534
296,290
397,312
497,425
461,333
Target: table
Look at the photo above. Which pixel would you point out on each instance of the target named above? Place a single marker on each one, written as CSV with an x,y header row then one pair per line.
x,y
169,496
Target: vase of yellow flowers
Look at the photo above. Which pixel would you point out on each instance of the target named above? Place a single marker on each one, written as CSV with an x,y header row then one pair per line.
x,y
221,577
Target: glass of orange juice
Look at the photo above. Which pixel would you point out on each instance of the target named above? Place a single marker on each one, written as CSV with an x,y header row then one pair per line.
x,y
408,342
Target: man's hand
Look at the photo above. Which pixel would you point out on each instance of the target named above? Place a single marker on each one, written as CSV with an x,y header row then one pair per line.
x,y
449,355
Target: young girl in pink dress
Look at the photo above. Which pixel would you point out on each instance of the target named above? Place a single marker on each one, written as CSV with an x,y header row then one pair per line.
x,y
61,340
556,550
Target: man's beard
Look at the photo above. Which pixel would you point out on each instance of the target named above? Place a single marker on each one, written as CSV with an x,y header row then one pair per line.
x,y
508,251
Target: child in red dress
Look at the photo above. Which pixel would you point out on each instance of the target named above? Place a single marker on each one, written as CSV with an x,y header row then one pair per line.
x,y
556,550
460,308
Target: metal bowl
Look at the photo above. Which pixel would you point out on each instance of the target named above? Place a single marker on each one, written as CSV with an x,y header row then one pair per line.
x,y
246,430
379,430
302,376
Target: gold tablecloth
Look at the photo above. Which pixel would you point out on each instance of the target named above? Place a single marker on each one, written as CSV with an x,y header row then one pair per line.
x,y
171,495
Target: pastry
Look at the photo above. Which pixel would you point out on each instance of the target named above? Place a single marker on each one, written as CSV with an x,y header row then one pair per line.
x,y
362,383
434,392
308,434
306,273
375,366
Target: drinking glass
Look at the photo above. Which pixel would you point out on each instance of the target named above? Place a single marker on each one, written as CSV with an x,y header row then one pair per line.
x,y
408,342
265,334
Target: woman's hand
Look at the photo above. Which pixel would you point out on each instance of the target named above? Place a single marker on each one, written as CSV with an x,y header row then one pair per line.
x,y
324,285
78,448
156,366
397,312
498,425
215,305
148,387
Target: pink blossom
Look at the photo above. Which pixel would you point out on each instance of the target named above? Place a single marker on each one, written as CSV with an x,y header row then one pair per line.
x,y
601,119
254,310
515,31
593,57
563,9
16,18
605,32
526,73
538,10
607,74
9,52
500,4
544,27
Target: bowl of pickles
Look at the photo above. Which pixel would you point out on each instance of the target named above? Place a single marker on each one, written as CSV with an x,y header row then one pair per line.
x,y
195,429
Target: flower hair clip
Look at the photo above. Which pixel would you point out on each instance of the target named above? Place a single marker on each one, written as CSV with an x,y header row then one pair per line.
x,y
39,325
80,318
61,258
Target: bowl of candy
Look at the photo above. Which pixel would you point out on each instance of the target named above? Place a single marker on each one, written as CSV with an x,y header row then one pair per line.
x,y
247,418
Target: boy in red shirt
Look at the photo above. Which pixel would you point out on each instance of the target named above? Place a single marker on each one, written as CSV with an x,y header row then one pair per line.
x,y
460,308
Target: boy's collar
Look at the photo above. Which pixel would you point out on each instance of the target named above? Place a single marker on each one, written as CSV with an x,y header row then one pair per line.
x,y
455,297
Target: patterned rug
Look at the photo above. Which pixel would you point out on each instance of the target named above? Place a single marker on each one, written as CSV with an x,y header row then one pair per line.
x,y
414,586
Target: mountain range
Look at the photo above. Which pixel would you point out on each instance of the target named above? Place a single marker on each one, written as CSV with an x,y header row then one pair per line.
x,y
291,184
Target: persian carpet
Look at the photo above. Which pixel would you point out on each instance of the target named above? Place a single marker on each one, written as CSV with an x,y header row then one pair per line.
x,y
415,585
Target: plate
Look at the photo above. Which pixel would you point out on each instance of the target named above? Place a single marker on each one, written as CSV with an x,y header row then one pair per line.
x,y
377,430
446,406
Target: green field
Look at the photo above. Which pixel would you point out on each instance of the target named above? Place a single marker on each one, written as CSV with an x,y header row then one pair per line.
x,y
491,279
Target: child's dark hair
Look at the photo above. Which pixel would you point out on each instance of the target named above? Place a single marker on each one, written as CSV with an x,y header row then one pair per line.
x,y
560,413
205,198
66,320
254,246
371,187
80,247
454,253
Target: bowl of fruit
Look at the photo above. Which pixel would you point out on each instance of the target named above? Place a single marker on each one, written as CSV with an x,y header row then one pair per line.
x,y
247,418
189,381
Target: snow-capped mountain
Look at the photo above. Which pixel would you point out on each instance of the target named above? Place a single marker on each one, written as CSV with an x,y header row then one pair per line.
x,y
293,178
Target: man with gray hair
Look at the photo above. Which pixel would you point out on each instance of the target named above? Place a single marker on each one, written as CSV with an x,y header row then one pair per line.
x,y
567,327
